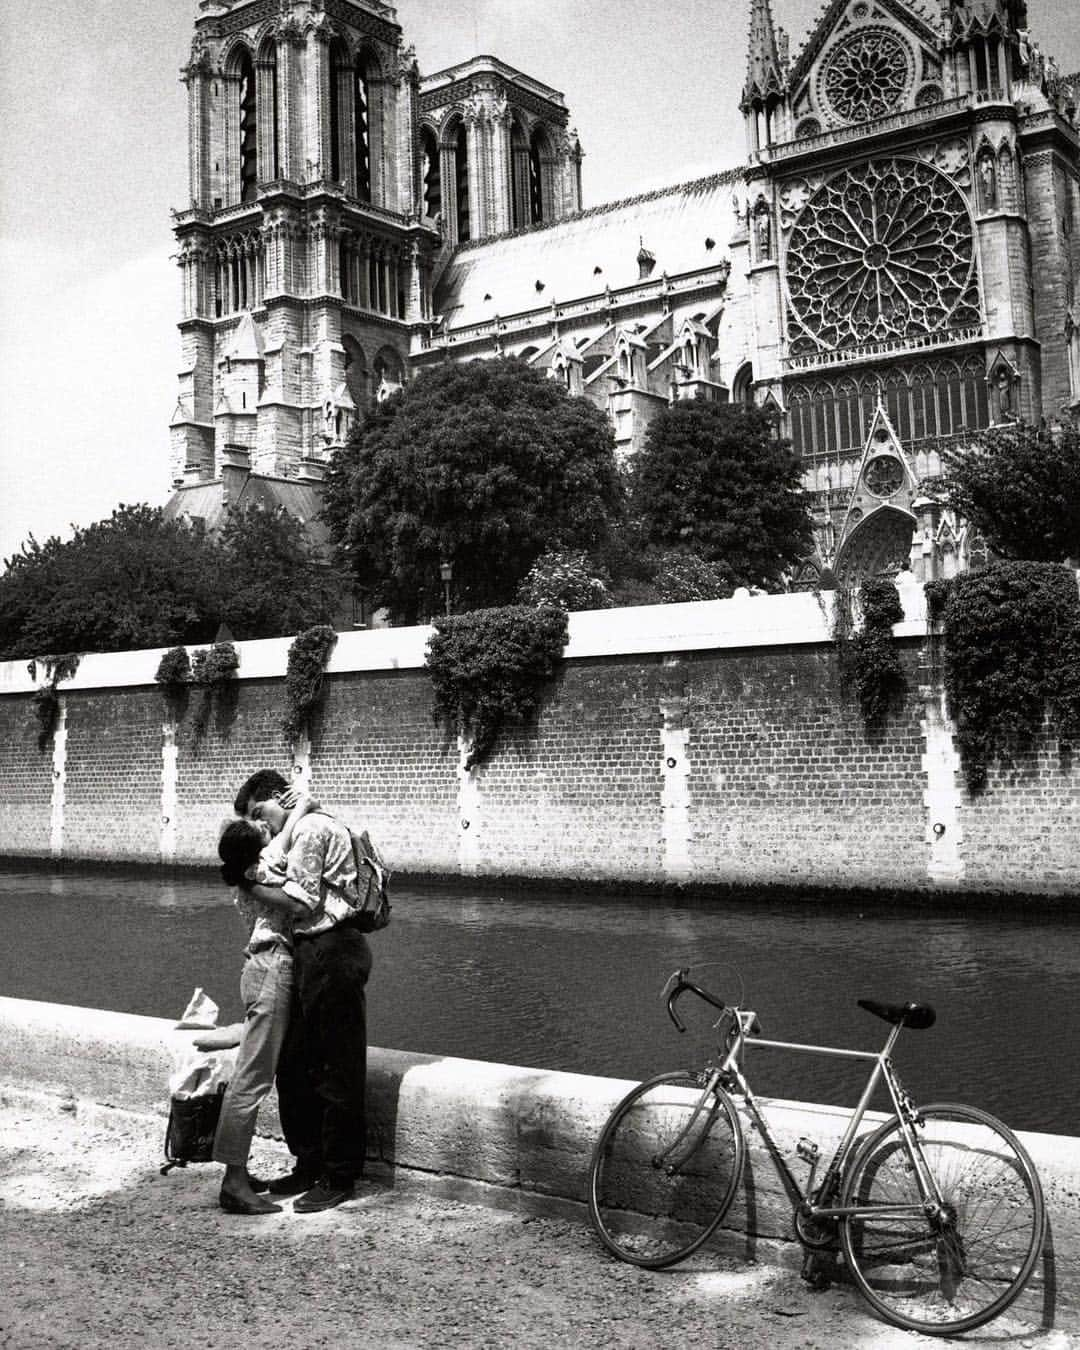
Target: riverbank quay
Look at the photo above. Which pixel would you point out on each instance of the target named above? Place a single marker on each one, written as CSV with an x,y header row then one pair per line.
x,y
494,1140
706,744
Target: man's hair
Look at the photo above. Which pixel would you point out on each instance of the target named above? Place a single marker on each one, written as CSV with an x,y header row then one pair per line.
x,y
239,846
260,787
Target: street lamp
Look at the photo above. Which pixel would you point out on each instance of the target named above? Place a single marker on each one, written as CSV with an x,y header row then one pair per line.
x,y
446,571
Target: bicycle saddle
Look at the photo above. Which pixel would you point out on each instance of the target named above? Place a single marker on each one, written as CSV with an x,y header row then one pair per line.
x,y
917,1016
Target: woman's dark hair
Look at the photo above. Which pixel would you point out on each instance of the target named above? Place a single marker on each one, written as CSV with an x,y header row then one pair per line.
x,y
239,846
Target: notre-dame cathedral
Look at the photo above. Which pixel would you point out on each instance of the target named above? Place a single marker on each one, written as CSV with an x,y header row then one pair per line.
x,y
889,265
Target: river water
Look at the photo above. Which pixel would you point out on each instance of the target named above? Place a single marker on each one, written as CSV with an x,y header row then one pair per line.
x,y
572,980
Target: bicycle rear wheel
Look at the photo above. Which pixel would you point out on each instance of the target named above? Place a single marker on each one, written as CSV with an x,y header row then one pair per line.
x,y
665,1170
948,1274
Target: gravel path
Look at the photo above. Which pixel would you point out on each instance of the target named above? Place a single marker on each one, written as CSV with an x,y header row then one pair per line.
x,y
98,1250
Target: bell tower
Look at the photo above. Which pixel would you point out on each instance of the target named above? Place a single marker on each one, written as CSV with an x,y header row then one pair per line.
x,y
304,257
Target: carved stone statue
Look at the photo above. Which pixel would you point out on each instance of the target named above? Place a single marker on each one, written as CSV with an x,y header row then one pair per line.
x,y
763,233
988,180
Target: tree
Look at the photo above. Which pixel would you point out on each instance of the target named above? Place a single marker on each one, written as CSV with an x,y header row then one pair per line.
x,y
485,466
276,581
140,580
712,479
1020,488
133,580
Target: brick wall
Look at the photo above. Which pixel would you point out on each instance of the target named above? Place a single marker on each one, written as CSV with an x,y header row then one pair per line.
x,y
740,764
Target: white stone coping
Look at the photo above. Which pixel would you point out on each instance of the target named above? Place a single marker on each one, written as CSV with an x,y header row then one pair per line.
x,y
525,1131
744,621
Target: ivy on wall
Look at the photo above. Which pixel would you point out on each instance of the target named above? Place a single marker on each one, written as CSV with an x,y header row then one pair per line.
x,y
309,654
869,662
174,676
1011,658
489,668
46,698
213,670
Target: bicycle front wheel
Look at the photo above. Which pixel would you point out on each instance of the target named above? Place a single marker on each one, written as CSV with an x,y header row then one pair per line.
x,y
943,1273
665,1170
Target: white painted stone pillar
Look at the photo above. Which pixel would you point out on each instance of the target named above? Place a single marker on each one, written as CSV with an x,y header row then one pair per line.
x,y
301,766
169,782
59,783
469,805
675,789
942,794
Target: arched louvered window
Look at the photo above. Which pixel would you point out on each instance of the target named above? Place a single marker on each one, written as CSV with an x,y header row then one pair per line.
x,y
362,131
536,177
430,173
249,129
462,176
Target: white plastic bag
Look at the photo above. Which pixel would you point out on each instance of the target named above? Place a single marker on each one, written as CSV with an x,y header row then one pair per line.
x,y
201,1075
200,1014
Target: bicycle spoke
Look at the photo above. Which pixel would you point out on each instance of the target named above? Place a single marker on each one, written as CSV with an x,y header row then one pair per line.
x,y
664,1171
953,1271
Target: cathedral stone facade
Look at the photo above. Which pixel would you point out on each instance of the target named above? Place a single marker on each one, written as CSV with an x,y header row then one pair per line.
x,y
890,267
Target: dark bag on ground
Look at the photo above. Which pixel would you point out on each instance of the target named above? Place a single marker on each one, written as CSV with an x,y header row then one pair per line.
x,y
195,1106
372,883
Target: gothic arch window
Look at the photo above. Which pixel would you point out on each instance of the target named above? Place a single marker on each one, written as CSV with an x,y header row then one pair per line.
x,y
430,173
356,372
247,124
924,420
389,373
742,388
847,412
976,400
879,545
802,437
362,119
898,403
266,92
824,409
520,176
461,177
540,159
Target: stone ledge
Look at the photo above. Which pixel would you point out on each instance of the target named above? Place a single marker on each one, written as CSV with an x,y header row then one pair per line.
x,y
473,1127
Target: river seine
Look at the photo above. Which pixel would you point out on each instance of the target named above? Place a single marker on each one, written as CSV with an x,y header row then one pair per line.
x,y
572,981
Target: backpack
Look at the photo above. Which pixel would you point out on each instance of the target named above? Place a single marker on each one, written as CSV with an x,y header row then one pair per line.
x,y
189,1135
372,884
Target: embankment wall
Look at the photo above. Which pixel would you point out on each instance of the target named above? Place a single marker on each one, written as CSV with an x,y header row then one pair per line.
x,y
707,743
499,1133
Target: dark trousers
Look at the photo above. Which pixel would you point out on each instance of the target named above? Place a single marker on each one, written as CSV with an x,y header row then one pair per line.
x,y
322,1072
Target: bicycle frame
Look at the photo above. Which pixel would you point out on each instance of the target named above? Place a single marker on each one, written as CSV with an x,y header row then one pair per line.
x,y
729,1073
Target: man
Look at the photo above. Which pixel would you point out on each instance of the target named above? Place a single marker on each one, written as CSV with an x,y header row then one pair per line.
x,y
322,1072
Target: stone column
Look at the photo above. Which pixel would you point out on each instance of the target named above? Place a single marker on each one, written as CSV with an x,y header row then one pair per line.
x,y
317,119
502,217
474,124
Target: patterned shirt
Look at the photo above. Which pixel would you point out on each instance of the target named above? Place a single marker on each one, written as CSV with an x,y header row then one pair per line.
x,y
320,872
266,924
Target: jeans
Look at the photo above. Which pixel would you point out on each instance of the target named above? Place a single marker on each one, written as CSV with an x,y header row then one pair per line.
x,y
322,1073
266,990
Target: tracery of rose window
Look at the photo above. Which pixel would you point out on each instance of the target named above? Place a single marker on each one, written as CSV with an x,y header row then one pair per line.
x,y
883,250
866,75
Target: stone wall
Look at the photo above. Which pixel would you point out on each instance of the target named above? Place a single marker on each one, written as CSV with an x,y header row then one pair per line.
x,y
702,743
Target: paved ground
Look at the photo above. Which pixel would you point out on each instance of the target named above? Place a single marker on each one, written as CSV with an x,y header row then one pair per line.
x,y
96,1250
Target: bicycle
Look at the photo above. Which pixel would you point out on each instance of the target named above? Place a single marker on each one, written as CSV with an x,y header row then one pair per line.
x,y
938,1211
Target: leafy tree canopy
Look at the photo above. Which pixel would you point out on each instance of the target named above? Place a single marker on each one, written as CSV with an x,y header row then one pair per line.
x,y
1019,488
140,580
485,465
713,480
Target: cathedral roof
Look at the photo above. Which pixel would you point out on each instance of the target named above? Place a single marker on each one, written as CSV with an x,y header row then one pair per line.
x,y
205,501
684,226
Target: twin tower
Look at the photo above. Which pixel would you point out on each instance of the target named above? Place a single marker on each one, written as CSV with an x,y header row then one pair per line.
x,y
329,185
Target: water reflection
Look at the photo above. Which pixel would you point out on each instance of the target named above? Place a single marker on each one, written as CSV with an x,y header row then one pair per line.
x,y
572,982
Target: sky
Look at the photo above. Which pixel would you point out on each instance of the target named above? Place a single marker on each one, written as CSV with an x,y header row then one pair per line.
x,y
94,155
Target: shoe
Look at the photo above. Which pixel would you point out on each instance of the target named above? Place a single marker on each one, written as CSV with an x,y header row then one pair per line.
x,y
232,1204
292,1183
258,1184
324,1194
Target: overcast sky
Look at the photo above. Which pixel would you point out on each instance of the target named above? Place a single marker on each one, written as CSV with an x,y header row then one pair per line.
x,y
94,154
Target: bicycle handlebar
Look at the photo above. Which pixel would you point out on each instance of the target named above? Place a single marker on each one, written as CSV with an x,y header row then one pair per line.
x,y
677,985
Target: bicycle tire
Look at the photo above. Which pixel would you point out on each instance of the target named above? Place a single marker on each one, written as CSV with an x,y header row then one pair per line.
x,y
954,1277
653,1205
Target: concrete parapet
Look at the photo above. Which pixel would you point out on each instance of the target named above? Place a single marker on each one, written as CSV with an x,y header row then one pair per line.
x,y
523,1131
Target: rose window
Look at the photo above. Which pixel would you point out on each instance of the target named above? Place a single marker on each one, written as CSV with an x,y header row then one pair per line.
x,y
881,252
884,475
866,75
